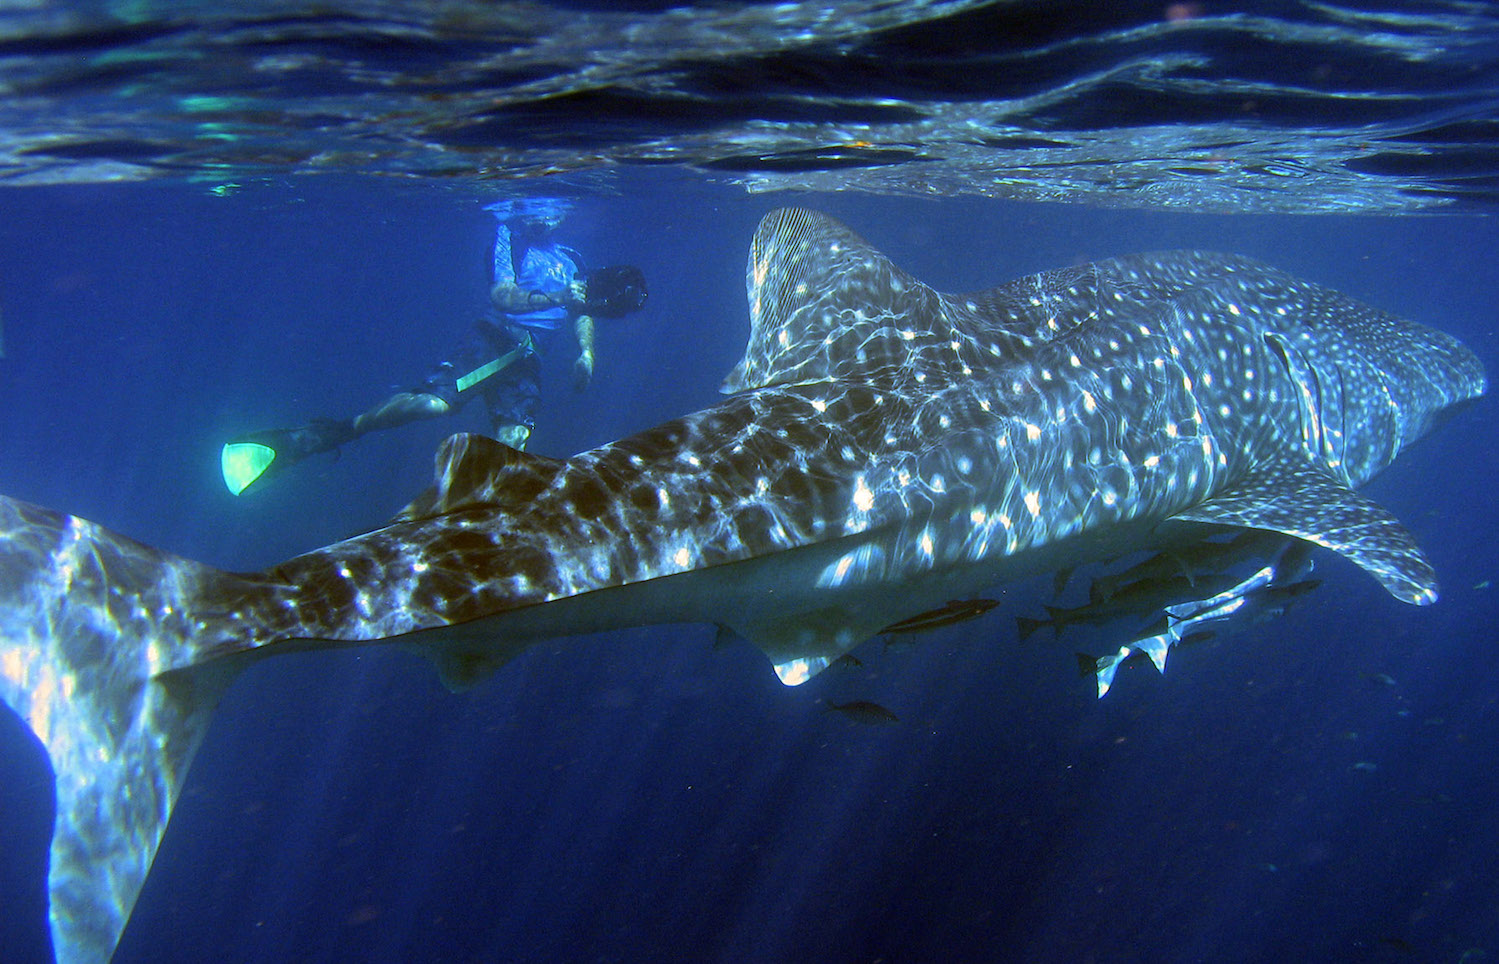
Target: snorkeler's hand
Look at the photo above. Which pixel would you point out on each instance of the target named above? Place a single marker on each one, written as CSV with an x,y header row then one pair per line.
x,y
583,371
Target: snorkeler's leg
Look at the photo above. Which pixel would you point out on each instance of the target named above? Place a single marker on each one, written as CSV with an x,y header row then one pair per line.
x,y
583,367
401,408
261,455
504,259
514,400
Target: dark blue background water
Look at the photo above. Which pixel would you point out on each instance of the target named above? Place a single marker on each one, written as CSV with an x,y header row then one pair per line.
x,y
645,796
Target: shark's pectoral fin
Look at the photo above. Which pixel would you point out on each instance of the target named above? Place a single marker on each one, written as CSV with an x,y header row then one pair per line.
x,y
474,470
1302,501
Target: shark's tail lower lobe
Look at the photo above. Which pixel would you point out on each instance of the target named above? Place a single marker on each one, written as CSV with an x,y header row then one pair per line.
x,y
98,641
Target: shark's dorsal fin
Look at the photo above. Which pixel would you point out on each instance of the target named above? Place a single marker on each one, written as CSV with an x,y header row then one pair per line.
x,y
824,305
1302,501
474,470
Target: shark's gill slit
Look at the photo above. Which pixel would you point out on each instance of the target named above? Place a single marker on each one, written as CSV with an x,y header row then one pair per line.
x,y
1307,388
1279,351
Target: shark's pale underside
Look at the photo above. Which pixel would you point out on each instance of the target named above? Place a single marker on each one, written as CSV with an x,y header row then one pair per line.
x,y
885,448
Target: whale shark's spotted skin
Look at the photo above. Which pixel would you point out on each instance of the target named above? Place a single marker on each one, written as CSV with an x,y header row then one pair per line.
x,y
886,449
934,438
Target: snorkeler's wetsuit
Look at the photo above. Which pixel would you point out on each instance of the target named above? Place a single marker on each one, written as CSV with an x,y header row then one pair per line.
x,y
498,360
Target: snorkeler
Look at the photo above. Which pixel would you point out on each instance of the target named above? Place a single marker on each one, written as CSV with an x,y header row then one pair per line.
x,y
539,286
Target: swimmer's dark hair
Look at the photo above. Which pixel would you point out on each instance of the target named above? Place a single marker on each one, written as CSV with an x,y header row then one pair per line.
x,y
614,291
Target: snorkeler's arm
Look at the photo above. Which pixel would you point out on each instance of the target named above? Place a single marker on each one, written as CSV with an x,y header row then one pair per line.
x,y
513,299
583,367
516,300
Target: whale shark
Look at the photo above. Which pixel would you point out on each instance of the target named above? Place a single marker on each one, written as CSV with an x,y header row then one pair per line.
x,y
885,452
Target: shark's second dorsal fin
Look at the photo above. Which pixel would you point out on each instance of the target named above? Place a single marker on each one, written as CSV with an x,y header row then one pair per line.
x,y
825,305
1301,501
474,470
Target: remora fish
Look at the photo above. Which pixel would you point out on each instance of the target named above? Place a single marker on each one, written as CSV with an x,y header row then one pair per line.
x,y
886,448
955,611
1206,557
1139,598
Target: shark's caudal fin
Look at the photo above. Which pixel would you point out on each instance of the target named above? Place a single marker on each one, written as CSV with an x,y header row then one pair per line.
x,y
98,638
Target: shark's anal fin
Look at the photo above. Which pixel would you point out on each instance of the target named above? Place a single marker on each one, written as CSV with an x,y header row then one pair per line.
x,y
1299,500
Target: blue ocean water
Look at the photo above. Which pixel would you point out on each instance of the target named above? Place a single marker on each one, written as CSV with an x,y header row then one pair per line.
x,y
1317,788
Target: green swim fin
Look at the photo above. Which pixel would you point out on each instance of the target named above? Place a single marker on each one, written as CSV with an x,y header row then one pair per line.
x,y
245,461
261,455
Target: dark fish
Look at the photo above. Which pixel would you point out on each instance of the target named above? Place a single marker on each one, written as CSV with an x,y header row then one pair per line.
x,y
1191,560
956,611
1140,598
1256,598
863,711
1272,601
